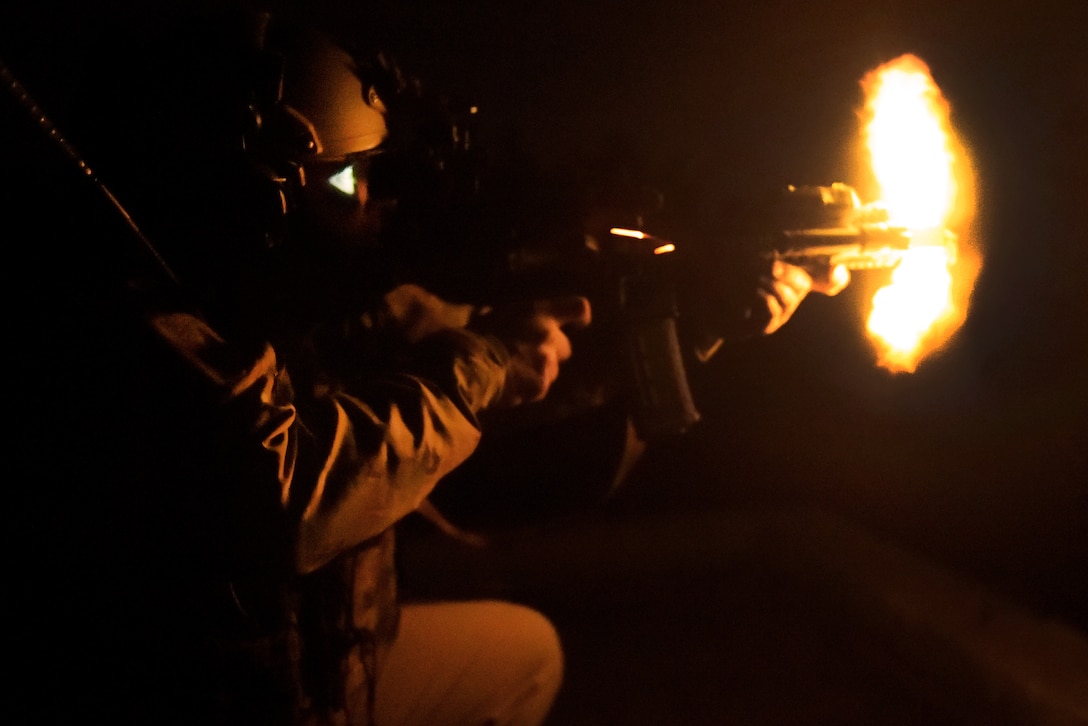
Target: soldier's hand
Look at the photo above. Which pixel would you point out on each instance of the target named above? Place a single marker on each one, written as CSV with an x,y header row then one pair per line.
x,y
535,334
784,286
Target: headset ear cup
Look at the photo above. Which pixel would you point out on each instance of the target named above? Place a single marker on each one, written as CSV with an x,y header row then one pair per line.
x,y
275,141
271,205
262,191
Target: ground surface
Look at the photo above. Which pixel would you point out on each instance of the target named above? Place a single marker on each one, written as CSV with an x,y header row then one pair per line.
x,y
768,617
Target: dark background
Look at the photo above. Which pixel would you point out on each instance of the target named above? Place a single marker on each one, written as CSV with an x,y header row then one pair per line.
x,y
979,458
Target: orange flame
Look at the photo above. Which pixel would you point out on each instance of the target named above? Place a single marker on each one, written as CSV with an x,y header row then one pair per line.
x,y
921,172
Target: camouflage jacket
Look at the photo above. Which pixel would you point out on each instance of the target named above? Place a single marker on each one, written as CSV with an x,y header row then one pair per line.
x,y
349,457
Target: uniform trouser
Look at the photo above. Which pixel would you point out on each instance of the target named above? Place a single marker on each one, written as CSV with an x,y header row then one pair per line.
x,y
478,663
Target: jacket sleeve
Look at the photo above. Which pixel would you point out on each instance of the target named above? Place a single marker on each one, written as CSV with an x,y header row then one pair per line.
x,y
370,455
350,463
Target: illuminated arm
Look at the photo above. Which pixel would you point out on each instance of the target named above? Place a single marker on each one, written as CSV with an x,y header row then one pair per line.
x,y
350,463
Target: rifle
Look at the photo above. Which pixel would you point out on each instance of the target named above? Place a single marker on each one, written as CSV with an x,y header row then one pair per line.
x,y
633,349
827,225
632,283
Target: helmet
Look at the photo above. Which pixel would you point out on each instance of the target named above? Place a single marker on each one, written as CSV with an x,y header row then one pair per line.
x,y
319,91
232,130
365,158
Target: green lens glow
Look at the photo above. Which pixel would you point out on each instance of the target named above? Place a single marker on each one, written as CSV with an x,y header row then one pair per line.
x,y
343,181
